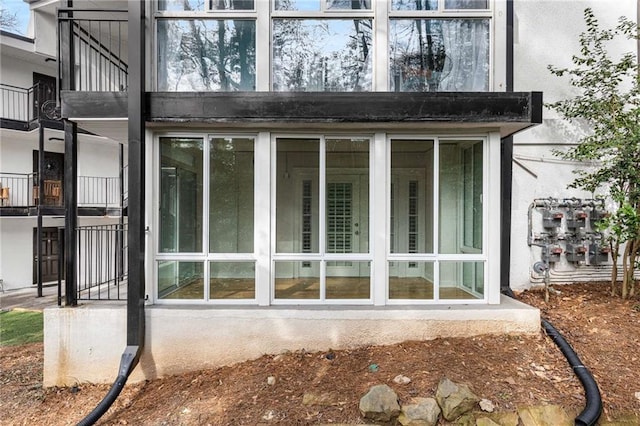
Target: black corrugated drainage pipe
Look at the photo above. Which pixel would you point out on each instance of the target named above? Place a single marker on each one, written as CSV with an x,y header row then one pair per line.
x,y
593,407
128,361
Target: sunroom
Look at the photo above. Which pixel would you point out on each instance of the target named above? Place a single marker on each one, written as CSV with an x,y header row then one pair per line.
x,y
283,218
311,174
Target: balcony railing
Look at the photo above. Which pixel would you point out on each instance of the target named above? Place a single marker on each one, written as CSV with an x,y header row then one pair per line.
x,y
102,262
21,190
26,104
91,47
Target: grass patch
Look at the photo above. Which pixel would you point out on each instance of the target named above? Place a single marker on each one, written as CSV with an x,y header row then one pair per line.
x,y
20,327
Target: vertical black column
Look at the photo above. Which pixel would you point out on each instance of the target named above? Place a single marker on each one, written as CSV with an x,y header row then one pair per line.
x,y
120,233
71,211
40,205
66,52
506,161
136,236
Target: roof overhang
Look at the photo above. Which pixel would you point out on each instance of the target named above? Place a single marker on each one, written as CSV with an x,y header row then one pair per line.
x,y
506,112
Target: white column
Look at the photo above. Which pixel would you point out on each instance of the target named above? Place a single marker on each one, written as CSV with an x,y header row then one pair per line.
x,y
262,218
379,214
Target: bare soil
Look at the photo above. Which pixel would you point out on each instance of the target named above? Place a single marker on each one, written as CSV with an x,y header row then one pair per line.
x,y
511,371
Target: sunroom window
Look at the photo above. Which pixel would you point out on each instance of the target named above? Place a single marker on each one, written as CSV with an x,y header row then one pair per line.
x,y
428,55
223,268
206,51
322,55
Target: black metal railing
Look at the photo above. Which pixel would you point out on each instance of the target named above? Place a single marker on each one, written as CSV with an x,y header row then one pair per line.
x,y
17,189
102,262
91,46
98,191
26,104
21,190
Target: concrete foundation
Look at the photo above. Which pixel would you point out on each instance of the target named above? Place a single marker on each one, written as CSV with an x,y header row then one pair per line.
x,y
84,344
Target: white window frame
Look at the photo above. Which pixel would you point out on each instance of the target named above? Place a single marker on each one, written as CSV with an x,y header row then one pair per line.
x,y
380,13
322,256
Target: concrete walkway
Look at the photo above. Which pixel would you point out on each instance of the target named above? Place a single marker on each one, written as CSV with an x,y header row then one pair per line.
x,y
27,298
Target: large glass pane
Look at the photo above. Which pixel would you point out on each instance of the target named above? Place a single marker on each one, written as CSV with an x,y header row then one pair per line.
x,y
231,4
357,285
411,216
180,280
297,195
232,280
181,177
414,4
411,280
181,5
466,4
231,195
299,5
347,196
472,158
461,280
206,55
297,280
322,55
428,55
460,195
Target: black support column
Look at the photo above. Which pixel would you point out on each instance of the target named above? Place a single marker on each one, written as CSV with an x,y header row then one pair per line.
x,y
71,211
40,205
136,210
506,181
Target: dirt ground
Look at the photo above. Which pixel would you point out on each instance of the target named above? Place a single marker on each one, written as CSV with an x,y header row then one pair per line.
x,y
510,371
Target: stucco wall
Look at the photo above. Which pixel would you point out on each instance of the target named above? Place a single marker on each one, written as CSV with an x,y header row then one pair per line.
x,y
546,32
180,339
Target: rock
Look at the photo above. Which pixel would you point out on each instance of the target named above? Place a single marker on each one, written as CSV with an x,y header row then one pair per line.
x,y
486,405
485,421
503,419
454,399
271,380
401,380
544,415
637,395
323,399
269,415
421,412
380,404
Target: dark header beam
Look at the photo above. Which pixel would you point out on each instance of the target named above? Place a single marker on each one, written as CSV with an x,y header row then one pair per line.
x,y
522,108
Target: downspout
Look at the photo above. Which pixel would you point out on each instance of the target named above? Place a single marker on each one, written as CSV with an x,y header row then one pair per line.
x,y
136,211
593,407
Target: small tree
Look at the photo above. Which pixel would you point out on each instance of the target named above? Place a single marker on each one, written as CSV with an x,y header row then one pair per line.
x,y
609,102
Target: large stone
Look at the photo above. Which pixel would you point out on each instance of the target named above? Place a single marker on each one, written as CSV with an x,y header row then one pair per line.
x,y
454,399
485,421
544,415
503,419
380,404
421,412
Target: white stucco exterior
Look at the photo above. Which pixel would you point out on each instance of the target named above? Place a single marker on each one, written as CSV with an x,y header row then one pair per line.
x,y
76,353
546,33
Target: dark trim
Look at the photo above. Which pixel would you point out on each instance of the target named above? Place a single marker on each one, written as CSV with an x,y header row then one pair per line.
x,y
325,107
16,36
513,111
509,70
7,123
71,213
41,161
506,163
136,127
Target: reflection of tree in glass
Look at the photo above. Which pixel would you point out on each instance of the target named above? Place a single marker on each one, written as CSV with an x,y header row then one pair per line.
x,y
322,54
207,54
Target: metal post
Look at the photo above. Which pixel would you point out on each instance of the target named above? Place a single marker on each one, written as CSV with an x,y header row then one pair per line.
x,y
40,204
71,210
136,237
506,163
60,263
